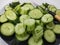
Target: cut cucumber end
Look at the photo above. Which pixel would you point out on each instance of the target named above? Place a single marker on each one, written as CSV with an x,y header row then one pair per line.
x,y
7,29
49,36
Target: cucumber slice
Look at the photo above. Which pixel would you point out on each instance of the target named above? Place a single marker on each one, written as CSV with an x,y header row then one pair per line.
x,y
57,29
23,18
52,8
20,28
38,33
10,15
17,9
22,37
49,36
50,25
26,8
35,13
7,7
58,12
47,18
32,42
7,29
30,24
3,18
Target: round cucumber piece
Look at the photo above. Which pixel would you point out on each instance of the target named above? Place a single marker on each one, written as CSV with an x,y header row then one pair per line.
x,y
22,37
50,25
35,13
47,18
58,12
25,8
7,29
52,8
49,36
20,28
30,6
57,29
32,42
7,7
3,18
30,24
23,18
38,33
10,15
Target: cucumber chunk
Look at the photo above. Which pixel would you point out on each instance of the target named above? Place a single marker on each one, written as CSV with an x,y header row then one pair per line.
x,y
57,29
35,13
52,8
47,18
7,7
50,25
38,33
23,18
49,36
20,28
22,37
3,18
30,24
32,42
58,12
17,9
7,29
26,8
10,15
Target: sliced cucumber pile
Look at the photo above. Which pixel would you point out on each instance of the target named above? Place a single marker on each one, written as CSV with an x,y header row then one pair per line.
x,y
25,20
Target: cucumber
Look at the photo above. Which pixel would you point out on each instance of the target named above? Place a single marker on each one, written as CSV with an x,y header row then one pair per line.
x,y
26,8
10,15
35,13
22,37
30,24
49,36
3,18
50,25
57,29
58,12
52,8
38,33
17,9
7,29
19,28
47,18
32,42
7,7
23,18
